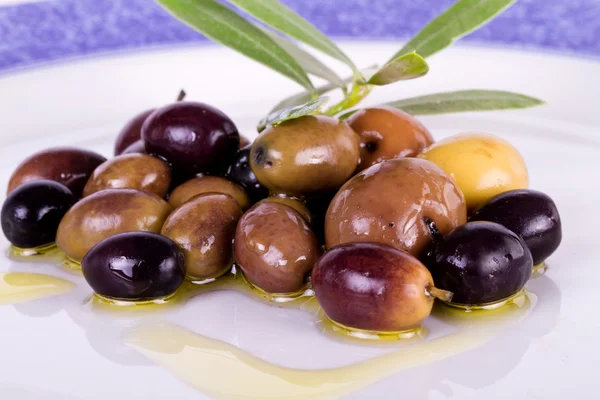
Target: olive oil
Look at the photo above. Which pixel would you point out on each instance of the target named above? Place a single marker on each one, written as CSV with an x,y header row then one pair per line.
x,y
18,287
487,306
223,371
47,251
539,269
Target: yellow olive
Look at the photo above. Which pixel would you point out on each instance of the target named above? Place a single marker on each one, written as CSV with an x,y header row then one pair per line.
x,y
387,133
482,165
134,171
107,213
292,202
208,184
305,155
204,228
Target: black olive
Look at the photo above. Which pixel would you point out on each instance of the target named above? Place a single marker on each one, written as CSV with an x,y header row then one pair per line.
x,y
134,266
480,262
240,172
528,213
32,212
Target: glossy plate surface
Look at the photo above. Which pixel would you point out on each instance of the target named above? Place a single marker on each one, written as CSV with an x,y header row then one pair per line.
x,y
62,347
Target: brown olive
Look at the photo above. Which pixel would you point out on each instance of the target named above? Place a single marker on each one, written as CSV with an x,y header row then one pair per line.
x,y
294,203
204,228
393,202
134,171
207,184
387,133
275,248
67,165
107,213
374,287
305,155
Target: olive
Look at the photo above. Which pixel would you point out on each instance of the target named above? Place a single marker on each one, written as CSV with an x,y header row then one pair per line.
x,y
305,155
204,228
31,213
480,262
67,165
387,133
208,184
292,202
528,213
131,132
244,141
275,248
373,287
482,165
134,266
240,172
134,171
107,213
317,206
192,137
393,202
135,147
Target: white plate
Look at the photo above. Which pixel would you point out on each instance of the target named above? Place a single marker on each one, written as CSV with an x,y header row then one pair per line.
x,y
57,348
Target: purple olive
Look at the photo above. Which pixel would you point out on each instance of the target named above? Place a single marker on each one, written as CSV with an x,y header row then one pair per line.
x,y
240,172
480,262
193,137
135,147
528,213
69,166
131,132
134,266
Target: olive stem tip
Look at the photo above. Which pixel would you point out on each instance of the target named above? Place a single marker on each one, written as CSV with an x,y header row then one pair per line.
x,y
181,95
444,295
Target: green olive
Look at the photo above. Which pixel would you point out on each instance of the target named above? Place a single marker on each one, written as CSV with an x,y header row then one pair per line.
x,y
204,228
107,213
305,155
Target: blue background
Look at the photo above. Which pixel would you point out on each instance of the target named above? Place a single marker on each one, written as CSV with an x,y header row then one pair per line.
x,y
52,30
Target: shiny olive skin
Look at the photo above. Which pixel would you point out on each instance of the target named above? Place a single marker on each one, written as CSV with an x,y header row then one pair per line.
x,y
528,213
204,228
480,262
294,203
31,213
208,184
240,172
373,287
387,133
134,266
310,154
107,213
137,147
392,202
134,171
131,132
193,137
275,248
67,165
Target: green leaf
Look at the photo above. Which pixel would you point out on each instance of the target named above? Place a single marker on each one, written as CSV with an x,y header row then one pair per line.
x,y
307,61
225,26
408,66
286,114
464,17
278,16
465,101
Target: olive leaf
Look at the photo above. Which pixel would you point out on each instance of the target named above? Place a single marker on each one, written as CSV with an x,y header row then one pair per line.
x,y
462,18
465,101
310,63
225,26
285,20
286,114
407,66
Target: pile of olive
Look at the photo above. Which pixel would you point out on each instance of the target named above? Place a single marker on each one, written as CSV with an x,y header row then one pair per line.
x,y
373,214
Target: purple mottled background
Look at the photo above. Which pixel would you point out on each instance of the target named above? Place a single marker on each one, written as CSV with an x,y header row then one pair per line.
x,y
45,31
